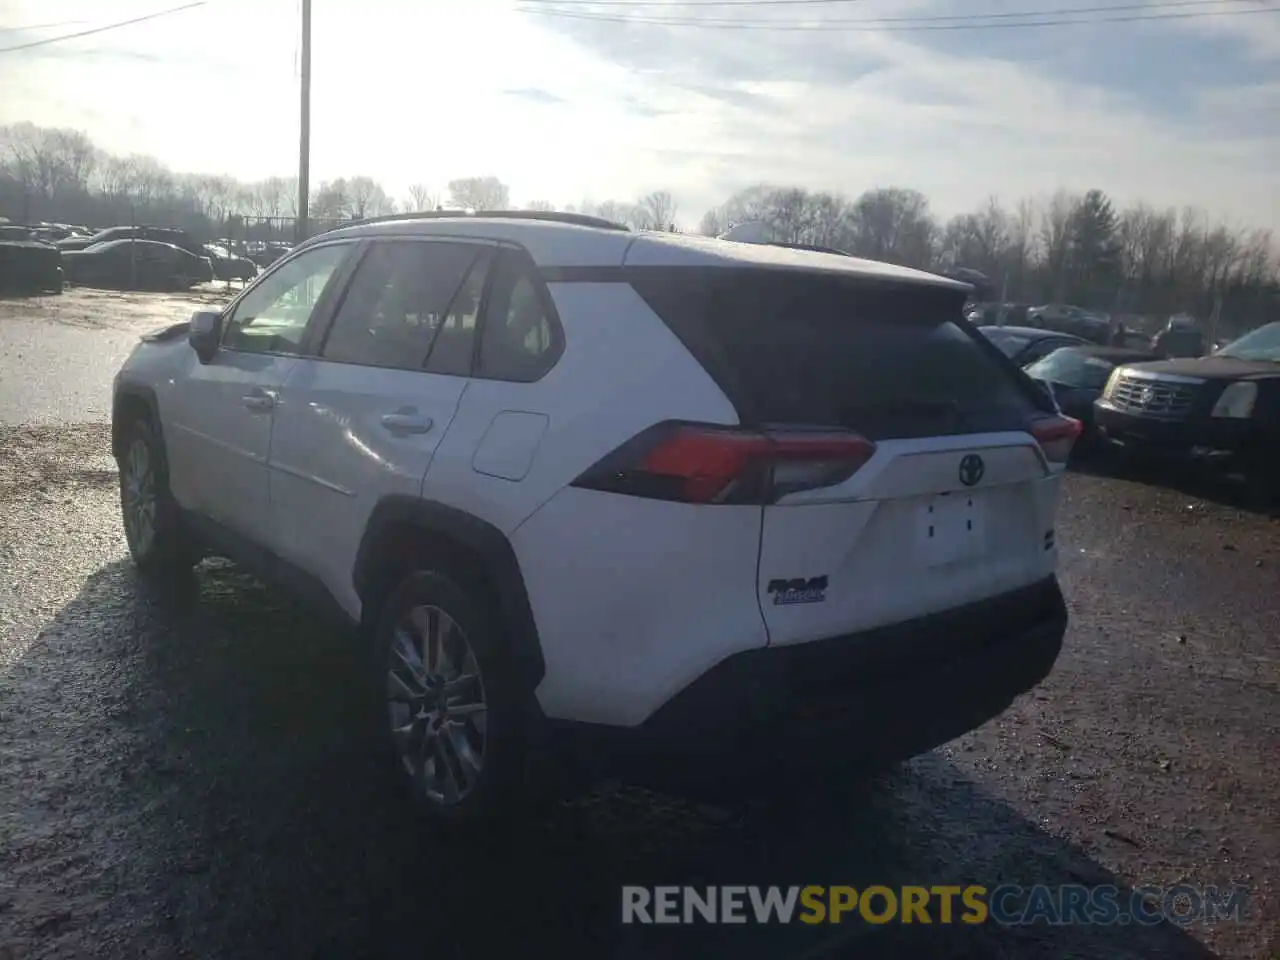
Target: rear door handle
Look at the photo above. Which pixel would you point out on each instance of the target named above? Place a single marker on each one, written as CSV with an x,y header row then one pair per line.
x,y
260,400
406,422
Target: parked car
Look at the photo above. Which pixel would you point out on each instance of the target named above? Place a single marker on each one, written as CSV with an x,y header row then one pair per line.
x,y
168,235
1065,318
1181,337
1223,408
136,264
28,266
880,556
1024,345
1078,374
229,266
15,233
265,254
996,314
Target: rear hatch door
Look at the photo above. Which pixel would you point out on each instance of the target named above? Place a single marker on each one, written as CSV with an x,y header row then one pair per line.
x,y
956,503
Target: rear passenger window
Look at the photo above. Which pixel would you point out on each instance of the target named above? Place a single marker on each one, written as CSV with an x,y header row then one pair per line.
x,y
397,303
521,340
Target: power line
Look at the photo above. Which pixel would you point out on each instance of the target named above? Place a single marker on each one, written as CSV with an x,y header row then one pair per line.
x,y
42,26
640,7
909,24
687,3
104,28
931,18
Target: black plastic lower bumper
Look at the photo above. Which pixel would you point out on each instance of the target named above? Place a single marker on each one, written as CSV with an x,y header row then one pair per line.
x,y
865,699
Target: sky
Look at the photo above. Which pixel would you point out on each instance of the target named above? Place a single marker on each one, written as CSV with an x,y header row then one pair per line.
x,y
1174,112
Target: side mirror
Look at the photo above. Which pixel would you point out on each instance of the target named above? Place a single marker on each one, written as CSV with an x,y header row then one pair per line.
x,y
205,334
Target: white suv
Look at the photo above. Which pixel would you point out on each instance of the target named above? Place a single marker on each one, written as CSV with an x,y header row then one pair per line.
x,y
610,502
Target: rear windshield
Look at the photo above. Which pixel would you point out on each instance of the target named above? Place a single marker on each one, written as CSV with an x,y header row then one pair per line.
x,y
1010,344
1072,368
798,348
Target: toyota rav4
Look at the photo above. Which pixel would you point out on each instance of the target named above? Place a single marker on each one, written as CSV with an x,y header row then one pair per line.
x,y
676,508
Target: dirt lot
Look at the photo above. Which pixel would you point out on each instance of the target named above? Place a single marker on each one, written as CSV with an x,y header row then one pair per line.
x,y
59,353
195,779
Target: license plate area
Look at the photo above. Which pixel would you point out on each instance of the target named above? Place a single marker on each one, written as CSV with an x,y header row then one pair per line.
x,y
950,528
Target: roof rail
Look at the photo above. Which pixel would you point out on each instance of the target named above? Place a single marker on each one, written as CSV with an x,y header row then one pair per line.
x,y
577,219
814,247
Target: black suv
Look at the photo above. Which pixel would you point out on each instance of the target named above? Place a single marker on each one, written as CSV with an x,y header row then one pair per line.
x,y
1224,407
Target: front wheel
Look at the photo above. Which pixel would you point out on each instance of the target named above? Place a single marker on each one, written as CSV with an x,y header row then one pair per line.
x,y
1262,483
158,543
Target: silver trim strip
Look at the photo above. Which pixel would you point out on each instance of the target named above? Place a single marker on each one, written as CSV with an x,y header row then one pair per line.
x,y
312,478
1167,377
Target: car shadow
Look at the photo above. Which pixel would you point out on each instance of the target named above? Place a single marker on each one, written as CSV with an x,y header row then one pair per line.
x,y
1194,480
216,748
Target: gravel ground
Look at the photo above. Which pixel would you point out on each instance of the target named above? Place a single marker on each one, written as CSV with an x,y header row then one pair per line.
x,y
194,778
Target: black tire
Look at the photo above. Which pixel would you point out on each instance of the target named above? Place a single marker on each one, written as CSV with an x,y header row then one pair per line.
x,y
168,551
1262,484
502,790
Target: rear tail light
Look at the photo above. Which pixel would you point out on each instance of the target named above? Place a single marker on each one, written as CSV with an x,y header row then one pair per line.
x,y
1056,436
697,463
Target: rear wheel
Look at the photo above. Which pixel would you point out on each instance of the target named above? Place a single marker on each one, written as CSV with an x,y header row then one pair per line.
x,y
454,719
158,543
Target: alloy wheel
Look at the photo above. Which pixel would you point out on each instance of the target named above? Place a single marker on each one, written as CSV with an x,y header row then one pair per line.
x,y
138,487
436,705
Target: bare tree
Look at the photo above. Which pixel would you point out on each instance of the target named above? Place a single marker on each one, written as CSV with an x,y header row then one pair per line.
x,y
541,206
367,198
616,211
46,163
332,201
422,197
479,193
1139,260
657,211
712,224
1055,236
894,224
828,220
276,194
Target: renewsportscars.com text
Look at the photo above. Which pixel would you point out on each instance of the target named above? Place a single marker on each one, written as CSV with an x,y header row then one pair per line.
x,y
1008,904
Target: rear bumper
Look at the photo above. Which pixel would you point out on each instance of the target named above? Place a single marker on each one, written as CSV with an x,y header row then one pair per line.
x,y
1200,437
865,699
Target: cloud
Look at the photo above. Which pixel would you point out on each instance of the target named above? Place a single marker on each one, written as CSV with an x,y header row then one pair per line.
x,y
1171,114
1174,112
535,95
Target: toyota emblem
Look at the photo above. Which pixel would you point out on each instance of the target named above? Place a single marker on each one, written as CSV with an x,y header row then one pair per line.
x,y
971,469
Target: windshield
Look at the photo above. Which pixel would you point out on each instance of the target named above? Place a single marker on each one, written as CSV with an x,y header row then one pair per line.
x,y
1261,344
1010,344
1072,368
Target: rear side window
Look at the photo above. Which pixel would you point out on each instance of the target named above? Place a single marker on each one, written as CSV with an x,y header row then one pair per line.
x,y
521,339
797,348
397,301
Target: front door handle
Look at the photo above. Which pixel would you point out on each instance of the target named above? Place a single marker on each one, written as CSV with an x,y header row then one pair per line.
x,y
259,400
406,422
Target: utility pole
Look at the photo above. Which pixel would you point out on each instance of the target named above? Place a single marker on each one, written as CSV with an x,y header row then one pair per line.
x,y
304,143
